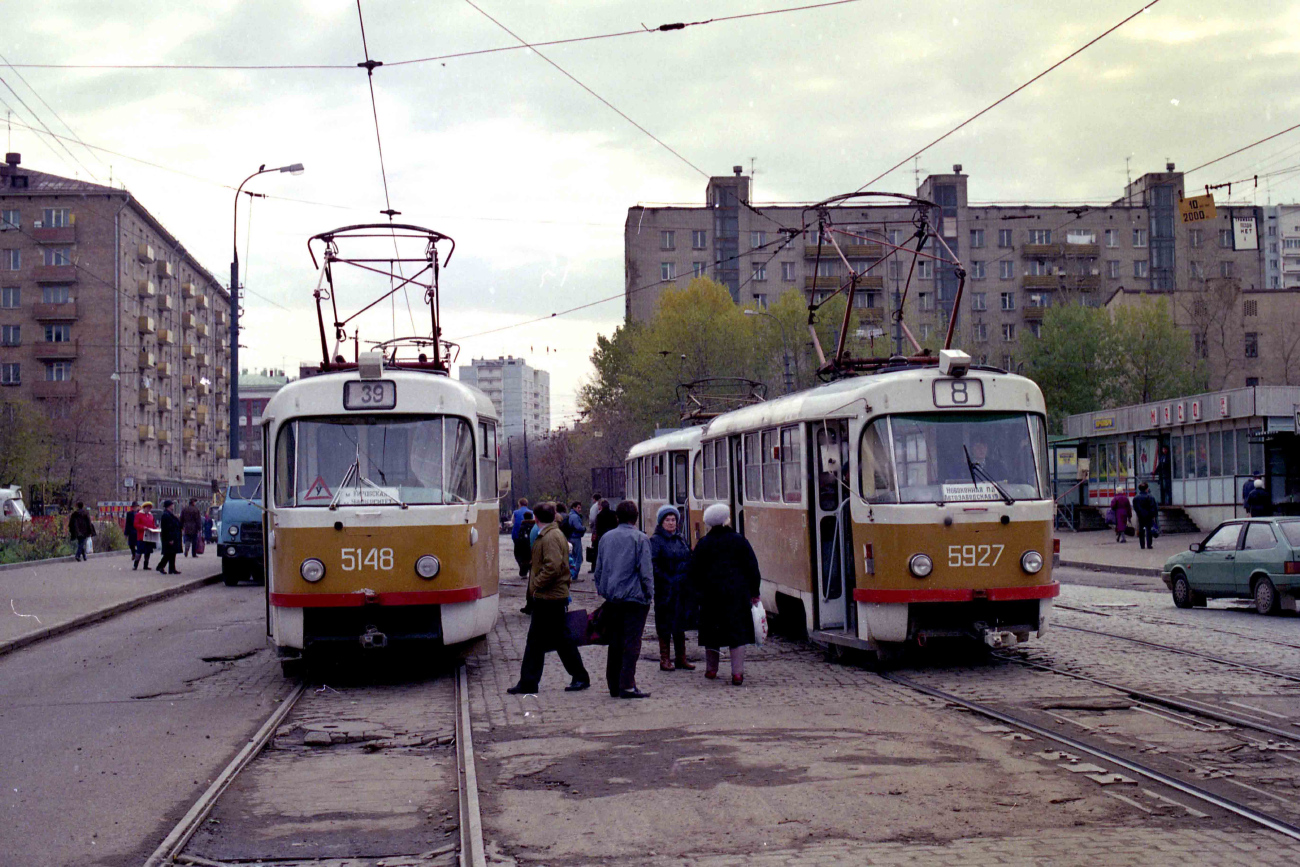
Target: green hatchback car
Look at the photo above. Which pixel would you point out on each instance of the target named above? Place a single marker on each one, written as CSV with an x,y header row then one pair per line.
x,y
1253,558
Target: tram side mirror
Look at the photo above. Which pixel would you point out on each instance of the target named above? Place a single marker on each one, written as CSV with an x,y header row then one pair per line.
x,y
503,483
1195,547
235,472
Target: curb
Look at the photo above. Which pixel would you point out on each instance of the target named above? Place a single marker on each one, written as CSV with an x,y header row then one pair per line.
x,y
5,567
105,613
1106,567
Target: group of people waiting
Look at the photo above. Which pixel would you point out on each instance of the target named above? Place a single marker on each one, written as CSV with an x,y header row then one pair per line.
x,y
1255,498
176,536
719,579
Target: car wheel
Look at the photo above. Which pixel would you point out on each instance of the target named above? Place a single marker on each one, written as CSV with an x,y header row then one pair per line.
x,y
1182,592
1265,597
230,573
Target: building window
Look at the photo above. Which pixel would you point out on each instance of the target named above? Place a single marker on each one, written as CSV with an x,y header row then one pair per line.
x,y
11,297
760,272
1005,271
699,239
828,268
1200,345
976,238
757,239
1225,269
1195,237
1140,268
1252,344
667,240
895,269
1004,238
58,333
1040,299
1040,236
787,272
58,371
926,330
1198,270
11,374
1112,268
896,237
1008,362
57,218
1008,301
1139,237
1272,248
760,301
1036,328
1112,237
927,300
980,301
11,260
11,335
977,270
925,269
1250,308
56,294
1291,243
9,219
1008,331
1039,268
697,269
981,332
667,271
57,255
1225,239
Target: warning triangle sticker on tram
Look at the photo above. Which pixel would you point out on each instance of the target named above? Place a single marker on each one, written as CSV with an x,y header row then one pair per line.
x,y
319,490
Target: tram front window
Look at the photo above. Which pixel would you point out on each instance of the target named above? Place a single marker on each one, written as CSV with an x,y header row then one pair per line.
x,y
943,457
375,460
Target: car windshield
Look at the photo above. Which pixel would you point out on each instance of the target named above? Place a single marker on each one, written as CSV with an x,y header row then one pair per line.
x,y
953,457
1290,529
251,489
385,460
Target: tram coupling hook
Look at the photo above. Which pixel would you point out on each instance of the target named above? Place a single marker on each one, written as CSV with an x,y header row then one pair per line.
x,y
373,638
1000,639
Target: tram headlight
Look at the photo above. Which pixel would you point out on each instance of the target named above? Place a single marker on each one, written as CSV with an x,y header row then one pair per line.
x,y
427,566
920,565
1031,562
312,570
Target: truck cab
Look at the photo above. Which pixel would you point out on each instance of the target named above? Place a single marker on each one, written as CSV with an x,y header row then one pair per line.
x,y
239,540
11,503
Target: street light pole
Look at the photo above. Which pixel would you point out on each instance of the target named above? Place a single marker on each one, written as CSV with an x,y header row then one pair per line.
x,y
294,169
785,347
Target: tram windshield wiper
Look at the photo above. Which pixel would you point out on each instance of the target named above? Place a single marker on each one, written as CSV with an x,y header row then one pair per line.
x,y
976,469
354,474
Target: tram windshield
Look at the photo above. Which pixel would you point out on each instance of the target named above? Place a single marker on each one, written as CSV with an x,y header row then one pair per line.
x,y
385,460
953,457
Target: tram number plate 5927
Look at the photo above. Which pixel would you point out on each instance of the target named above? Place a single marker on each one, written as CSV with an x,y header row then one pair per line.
x,y
975,555
356,559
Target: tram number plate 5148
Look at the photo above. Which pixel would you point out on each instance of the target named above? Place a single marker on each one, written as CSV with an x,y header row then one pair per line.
x,y
356,559
975,555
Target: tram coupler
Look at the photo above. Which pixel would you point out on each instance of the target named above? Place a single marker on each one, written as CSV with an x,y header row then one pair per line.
x,y
372,638
1000,639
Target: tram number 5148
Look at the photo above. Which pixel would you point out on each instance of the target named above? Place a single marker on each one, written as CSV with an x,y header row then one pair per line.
x,y
975,555
356,559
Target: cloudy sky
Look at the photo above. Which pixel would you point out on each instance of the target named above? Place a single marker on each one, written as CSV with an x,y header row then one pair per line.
x,y
532,175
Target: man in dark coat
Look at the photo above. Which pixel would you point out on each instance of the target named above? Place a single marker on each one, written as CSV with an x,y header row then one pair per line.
x,y
1260,502
519,535
128,527
1247,487
171,539
1147,512
191,526
625,578
724,573
671,557
605,521
80,528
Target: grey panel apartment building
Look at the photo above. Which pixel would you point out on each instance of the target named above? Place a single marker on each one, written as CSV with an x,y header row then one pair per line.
x,y
1020,259
114,330
520,394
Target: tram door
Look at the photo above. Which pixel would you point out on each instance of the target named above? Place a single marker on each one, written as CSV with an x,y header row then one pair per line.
x,y
829,459
736,449
678,490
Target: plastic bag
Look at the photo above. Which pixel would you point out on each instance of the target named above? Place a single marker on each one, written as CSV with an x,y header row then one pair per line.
x,y
1110,517
90,545
760,623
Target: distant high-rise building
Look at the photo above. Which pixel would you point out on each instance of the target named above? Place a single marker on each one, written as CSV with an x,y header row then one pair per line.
x,y
520,394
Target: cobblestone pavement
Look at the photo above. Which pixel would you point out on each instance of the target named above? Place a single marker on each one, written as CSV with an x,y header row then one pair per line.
x,y
814,763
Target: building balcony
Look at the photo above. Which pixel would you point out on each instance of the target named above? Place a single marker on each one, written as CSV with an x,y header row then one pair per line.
x,y
189,290
166,369
204,389
201,329
201,448
851,251
201,302
1041,251
146,288
166,337
56,273
164,437
164,270
201,413
203,359
188,321
55,312
51,389
47,351
1080,282
55,235
165,302
147,433
222,451
188,350
148,360
148,397
1034,314
1092,250
1041,281
164,403
144,254
187,381
147,325
871,313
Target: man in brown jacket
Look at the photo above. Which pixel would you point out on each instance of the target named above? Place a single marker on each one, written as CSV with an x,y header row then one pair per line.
x,y
548,582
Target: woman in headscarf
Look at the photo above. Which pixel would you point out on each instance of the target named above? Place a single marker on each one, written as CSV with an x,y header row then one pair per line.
x,y
724,572
671,557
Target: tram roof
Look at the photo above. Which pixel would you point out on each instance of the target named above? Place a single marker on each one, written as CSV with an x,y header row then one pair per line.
x,y
685,439
840,399
418,392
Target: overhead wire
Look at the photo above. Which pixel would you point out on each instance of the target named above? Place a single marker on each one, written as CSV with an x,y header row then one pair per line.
x,y
60,157
1240,149
37,94
41,121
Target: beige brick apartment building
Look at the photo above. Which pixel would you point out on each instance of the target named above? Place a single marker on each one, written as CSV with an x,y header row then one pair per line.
x,y
114,330
1020,259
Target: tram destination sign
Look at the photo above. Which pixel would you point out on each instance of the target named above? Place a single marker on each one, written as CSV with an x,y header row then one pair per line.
x,y
1196,209
963,393
369,394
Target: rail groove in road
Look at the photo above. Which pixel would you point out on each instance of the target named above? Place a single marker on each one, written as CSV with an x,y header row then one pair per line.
x,y
1235,807
472,853
1200,627
1182,650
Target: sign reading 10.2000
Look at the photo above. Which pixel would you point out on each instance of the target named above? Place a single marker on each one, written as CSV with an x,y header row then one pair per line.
x,y
369,394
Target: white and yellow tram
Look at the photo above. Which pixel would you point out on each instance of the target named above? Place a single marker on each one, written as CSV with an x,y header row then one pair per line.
x,y
892,508
658,474
381,510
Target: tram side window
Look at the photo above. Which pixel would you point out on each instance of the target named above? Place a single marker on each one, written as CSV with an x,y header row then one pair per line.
x,y
697,475
721,470
753,469
679,478
632,487
791,475
876,471
771,467
709,489
487,460
460,466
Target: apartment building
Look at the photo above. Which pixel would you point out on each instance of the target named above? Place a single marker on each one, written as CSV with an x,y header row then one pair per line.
x,y
1281,239
116,332
256,388
1019,259
521,394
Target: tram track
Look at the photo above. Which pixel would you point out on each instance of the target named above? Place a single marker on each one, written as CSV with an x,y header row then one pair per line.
x,y
1154,620
468,844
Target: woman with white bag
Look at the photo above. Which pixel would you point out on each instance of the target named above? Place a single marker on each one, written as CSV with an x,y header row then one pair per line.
x,y
724,572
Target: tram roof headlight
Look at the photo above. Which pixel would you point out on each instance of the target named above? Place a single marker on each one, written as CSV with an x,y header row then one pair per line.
x,y
1031,562
427,566
312,570
920,565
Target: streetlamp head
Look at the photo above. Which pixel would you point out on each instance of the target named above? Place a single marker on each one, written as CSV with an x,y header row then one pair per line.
x,y
295,169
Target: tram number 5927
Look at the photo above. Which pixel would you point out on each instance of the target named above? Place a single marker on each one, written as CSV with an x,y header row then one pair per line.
x,y
975,555
356,559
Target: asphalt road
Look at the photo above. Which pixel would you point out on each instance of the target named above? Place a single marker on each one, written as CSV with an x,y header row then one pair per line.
x,y
1109,580
111,732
